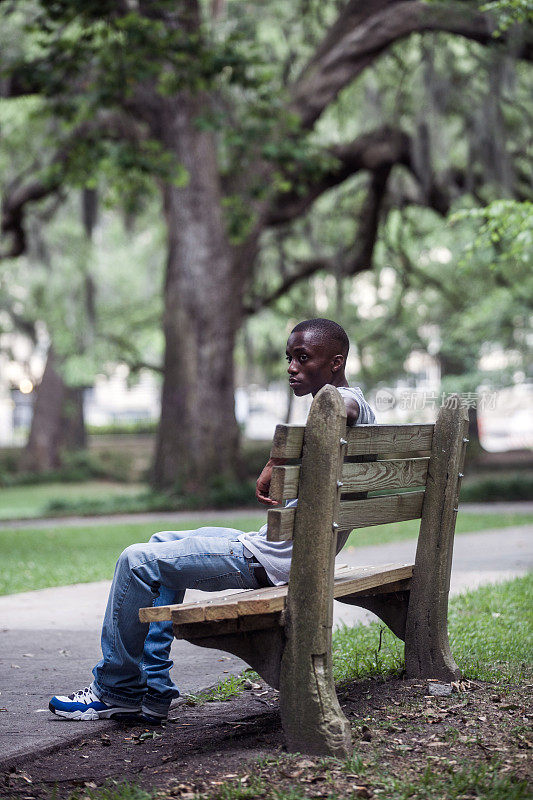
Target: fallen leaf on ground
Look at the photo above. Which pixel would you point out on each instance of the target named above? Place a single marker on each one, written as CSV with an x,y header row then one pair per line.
x,y
305,763
361,791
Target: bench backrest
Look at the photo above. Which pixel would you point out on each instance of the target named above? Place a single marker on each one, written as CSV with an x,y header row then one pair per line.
x,y
325,482
375,458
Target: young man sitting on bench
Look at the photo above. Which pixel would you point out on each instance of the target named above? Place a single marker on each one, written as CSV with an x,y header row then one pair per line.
x,y
132,680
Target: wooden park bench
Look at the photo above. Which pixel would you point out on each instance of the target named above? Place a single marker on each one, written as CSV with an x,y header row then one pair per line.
x,y
284,633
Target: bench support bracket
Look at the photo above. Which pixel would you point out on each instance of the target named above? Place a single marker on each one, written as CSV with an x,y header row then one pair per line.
x,y
390,607
262,650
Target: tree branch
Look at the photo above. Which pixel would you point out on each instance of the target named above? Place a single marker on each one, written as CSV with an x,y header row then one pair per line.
x,y
373,151
15,200
357,259
378,150
20,322
129,354
21,192
366,29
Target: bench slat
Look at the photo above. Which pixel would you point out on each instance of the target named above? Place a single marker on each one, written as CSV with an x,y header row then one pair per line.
x,y
200,630
357,477
365,578
196,611
353,514
362,439
288,441
284,483
380,510
370,439
271,600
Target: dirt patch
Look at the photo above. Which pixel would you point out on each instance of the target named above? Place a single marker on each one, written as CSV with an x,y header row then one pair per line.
x,y
399,732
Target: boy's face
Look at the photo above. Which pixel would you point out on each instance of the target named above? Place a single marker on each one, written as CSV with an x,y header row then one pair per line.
x,y
312,362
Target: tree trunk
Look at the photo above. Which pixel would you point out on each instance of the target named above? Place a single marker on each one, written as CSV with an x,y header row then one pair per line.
x,y
198,434
57,422
452,365
74,435
475,449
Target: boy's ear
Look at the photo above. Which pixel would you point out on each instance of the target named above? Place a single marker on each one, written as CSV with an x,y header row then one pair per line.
x,y
337,362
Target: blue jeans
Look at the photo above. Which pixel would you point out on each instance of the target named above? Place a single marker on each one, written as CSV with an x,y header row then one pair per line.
x,y
136,661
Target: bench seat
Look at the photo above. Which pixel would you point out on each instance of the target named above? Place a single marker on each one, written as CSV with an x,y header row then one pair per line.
x,y
253,604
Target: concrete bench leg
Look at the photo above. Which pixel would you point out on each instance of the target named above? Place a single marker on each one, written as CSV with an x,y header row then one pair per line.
x,y
310,712
427,649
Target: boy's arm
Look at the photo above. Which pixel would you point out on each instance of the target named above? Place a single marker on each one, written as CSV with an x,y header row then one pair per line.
x,y
352,410
262,486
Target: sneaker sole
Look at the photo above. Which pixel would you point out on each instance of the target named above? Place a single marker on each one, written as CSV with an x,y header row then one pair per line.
x,y
90,715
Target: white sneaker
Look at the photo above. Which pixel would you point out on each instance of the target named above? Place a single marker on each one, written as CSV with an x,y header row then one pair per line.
x,y
86,705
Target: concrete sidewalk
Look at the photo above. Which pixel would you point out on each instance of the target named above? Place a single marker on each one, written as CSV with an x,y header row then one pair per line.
x,y
523,507
50,638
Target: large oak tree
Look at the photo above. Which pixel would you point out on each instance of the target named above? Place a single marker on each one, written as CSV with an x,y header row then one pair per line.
x,y
179,90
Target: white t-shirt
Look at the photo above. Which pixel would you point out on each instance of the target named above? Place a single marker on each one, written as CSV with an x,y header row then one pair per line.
x,y
276,556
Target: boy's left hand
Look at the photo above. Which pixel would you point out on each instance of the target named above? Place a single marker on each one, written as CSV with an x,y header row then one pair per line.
x,y
262,487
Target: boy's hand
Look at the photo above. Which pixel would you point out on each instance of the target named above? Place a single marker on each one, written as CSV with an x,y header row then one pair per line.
x,y
262,486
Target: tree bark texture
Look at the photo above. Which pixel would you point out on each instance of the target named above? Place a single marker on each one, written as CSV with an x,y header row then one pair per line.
x,y
74,435
310,712
57,422
365,30
198,433
427,649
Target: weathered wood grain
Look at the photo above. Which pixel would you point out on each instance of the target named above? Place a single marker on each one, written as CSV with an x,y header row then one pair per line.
x,y
272,599
427,649
369,578
284,483
288,441
223,611
374,476
311,716
362,439
353,514
380,510
365,439
364,477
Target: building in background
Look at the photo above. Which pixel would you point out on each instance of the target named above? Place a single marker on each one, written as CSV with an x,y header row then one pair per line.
x,y
505,417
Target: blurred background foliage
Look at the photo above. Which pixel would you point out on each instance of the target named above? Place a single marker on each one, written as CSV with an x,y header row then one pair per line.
x,y
441,265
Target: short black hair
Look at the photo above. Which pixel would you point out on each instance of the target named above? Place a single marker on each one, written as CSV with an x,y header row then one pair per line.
x,y
327,329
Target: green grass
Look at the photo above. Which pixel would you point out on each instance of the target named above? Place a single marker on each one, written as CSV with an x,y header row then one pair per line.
x,y
230,687
480,781
491,636
90,497
116,791
37,558
23,502
506,486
